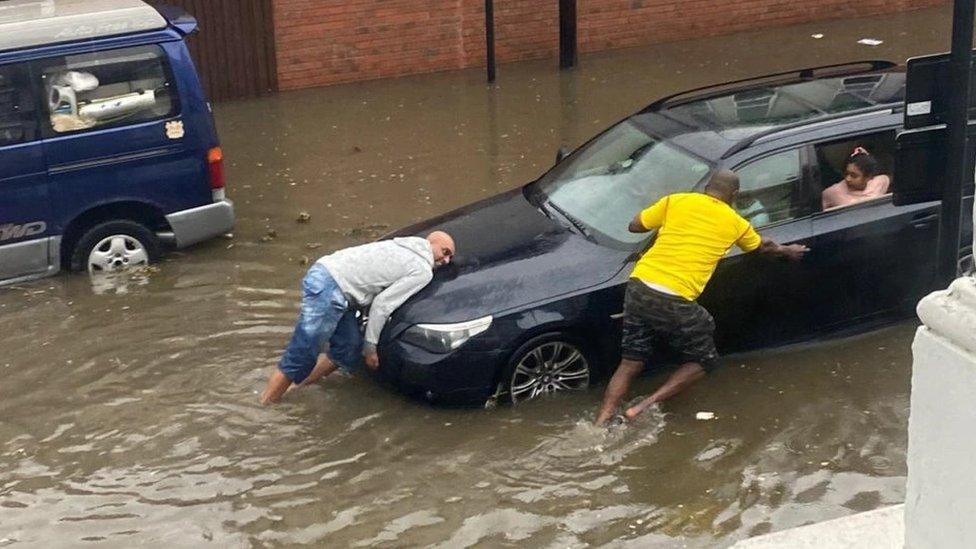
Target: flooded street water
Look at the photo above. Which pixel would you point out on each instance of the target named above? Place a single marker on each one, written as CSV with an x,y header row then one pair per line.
x,y
129,414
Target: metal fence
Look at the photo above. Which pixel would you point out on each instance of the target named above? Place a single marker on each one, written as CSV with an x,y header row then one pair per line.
x,y
235,48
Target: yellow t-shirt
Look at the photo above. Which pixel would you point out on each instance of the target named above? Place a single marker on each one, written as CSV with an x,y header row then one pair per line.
x,y
696,231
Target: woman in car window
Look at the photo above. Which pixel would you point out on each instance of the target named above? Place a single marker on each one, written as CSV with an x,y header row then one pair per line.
x,y
862,181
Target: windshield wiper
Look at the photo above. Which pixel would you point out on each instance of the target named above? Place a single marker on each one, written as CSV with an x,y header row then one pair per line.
x,y
545,210
575,222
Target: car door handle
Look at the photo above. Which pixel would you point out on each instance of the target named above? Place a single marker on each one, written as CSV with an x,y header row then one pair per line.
x,y
924,221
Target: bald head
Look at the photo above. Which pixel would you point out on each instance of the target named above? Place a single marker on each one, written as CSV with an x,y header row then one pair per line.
x,y
724,185
442,245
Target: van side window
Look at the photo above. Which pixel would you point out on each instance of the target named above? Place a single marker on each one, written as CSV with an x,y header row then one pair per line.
x,y
769,189
107,88
18,120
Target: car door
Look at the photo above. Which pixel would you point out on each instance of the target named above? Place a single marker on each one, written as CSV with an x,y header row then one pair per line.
x,y
25,202
114,131
873,260
758,300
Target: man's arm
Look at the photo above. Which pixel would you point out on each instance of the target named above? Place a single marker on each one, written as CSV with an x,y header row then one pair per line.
x,y
636,226
750,241
650,218
793,252
383,306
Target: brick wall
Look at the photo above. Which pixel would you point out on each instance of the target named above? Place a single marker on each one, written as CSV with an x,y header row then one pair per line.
x,y
322,42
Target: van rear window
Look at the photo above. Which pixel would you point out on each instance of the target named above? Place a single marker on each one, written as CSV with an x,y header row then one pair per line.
x,y
108,88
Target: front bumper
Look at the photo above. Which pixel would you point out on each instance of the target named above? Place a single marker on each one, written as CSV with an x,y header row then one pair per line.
x,y
462,378
202,223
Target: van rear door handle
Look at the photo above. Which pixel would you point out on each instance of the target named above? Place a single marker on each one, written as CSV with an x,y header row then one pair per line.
x,y
924,221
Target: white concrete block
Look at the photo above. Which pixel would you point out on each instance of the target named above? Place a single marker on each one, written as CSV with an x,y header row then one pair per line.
x,y
878,529
941,496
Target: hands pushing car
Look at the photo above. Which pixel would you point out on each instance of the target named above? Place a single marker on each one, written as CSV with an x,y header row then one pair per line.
x,y
533,303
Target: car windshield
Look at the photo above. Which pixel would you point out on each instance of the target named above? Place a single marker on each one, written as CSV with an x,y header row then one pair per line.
x,y
604,185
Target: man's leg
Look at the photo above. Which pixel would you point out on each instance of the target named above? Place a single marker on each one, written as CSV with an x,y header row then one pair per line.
x,y
318,318
694,340
323,368
681,379
278,383
617,388
345,349
346,343
636,343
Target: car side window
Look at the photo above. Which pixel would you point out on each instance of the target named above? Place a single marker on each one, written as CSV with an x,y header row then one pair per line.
x,y
833,160
769,189
18,120
107,89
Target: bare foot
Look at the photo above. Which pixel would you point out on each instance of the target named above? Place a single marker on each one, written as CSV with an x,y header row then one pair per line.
x,y
602,419
323,368
278,383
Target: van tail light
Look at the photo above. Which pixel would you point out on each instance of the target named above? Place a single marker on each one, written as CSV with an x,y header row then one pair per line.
x,y
215,172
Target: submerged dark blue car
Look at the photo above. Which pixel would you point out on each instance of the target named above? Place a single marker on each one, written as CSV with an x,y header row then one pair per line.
x,y
534,302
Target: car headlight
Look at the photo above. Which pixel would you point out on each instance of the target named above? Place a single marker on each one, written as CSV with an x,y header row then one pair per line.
x,y
442,338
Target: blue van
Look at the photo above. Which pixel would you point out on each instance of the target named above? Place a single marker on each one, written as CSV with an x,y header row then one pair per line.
x,y
108,150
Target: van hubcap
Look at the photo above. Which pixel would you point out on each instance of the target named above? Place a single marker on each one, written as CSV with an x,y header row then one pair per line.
x,y
549,368
115,253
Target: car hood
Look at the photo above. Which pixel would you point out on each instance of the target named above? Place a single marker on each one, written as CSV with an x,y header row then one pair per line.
x,y
509,254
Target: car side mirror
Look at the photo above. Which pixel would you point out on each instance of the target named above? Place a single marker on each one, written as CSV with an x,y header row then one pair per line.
x,y
560,154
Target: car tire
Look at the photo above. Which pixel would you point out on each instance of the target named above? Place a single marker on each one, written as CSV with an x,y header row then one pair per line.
x,y
546,364
114,246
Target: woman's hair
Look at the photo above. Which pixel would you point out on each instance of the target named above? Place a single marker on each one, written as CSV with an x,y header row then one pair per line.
x,y
865,162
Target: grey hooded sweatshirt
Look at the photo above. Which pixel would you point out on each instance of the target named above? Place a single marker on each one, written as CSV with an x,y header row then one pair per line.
x,y
381,276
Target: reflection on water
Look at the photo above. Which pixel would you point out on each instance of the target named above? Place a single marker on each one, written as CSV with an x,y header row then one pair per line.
x,y
128,410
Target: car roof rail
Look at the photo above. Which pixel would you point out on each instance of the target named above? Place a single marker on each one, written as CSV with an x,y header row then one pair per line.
x,y
744,143
781,78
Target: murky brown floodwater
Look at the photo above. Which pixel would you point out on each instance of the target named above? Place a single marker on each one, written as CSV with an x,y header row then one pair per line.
x,y
128,412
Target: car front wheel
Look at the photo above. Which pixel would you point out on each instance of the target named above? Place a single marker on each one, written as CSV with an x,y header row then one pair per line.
x,y
114,246
548,364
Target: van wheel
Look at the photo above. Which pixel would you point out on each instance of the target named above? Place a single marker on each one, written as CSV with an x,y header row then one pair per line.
x,y
115,246
548,364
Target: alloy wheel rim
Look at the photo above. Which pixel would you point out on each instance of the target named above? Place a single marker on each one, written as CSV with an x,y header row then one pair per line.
x,y
552,367
116,253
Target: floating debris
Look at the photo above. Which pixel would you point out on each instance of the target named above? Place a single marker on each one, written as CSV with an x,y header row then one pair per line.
x,y
705,416
303,217
817,36
270,235
870,42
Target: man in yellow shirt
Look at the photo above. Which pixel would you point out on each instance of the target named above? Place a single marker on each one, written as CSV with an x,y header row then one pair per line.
x,y
695,230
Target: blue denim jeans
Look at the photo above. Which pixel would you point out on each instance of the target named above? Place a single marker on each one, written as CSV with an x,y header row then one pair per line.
x,y
325,317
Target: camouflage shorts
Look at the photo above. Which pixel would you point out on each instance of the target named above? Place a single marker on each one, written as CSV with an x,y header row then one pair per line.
x,y
654,321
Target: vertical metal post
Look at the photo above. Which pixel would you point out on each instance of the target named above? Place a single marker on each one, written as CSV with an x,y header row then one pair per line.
x,y
960,67
567,34
490,37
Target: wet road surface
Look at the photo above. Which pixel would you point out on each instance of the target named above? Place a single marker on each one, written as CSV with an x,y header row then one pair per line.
x,y
128,408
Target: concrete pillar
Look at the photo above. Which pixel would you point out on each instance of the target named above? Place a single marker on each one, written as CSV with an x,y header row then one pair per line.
x,y
940,506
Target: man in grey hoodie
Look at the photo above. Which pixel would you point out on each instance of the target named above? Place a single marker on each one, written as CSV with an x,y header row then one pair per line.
x,y
381,276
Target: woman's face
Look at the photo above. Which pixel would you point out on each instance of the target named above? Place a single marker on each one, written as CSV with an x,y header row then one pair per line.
x,y
855,178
